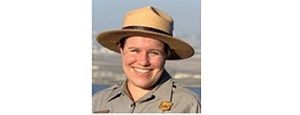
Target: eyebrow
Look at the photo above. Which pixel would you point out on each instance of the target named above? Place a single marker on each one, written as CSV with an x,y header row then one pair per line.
x,y
161,51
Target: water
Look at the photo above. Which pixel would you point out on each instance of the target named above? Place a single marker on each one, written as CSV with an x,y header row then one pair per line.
x,y
96,88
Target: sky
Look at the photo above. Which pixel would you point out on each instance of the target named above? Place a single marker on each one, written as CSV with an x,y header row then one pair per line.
x,y
108,14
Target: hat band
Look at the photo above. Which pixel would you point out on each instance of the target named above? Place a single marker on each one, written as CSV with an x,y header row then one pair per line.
x,y
147,29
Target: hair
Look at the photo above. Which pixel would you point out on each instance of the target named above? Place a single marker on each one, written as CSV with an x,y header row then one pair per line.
x,y
167,49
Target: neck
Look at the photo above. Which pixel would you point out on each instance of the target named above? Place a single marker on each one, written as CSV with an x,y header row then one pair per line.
x,y
136,92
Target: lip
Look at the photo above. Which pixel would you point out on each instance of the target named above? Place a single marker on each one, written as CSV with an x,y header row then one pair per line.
x,y
142,70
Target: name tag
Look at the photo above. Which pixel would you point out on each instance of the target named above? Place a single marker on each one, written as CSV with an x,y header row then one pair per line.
x,y
102,111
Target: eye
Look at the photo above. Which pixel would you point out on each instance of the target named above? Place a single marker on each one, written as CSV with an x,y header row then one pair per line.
x,y
134,50
155,53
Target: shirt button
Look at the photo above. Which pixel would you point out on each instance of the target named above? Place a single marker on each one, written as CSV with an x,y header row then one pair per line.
x,y
132,105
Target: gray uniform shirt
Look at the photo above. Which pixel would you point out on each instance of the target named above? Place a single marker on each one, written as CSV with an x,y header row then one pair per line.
x,y
166,97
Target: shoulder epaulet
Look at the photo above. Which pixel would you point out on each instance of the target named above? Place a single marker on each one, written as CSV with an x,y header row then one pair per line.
x,y
179,88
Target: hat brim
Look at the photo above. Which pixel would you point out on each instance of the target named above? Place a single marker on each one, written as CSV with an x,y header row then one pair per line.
x,y
179,49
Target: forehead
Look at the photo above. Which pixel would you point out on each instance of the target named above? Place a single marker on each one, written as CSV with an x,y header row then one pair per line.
x,y
144,41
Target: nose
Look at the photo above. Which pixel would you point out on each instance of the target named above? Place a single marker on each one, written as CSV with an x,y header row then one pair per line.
x,y
143,59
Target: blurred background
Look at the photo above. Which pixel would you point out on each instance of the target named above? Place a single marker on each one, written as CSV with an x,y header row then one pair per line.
x,y
108,15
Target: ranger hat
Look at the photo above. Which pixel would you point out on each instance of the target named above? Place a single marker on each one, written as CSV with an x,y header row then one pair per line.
x,y
147,22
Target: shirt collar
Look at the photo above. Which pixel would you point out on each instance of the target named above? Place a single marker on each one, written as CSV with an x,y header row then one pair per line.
x,y
119,89
164,87
162,90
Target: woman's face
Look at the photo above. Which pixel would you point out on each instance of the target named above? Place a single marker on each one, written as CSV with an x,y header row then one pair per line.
x,y
143,61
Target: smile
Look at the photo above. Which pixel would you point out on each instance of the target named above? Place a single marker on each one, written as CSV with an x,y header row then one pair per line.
x,y
142,70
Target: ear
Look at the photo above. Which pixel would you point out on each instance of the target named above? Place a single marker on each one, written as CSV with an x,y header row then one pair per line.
x,y
120,48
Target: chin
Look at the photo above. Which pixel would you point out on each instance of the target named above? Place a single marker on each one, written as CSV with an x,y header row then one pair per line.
x,y
144,85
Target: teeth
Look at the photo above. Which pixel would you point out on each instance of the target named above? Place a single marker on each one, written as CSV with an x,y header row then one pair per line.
x,y
141,70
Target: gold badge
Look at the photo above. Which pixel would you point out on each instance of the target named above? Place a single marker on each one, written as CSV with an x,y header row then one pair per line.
x,y
165,106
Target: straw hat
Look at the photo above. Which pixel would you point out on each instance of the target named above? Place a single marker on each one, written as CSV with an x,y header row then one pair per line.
x,y
147,22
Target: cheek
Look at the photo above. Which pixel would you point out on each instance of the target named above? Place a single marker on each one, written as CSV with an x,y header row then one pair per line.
x,y
159,62
128,59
